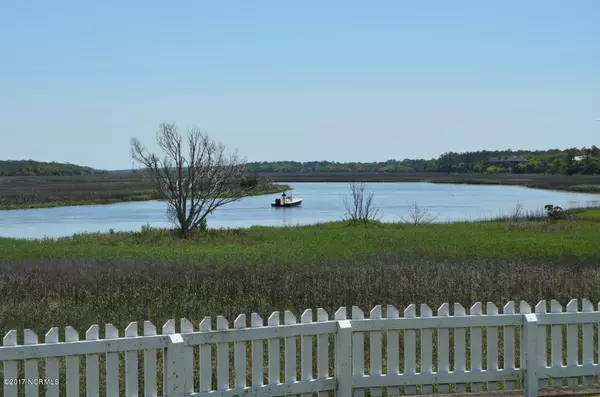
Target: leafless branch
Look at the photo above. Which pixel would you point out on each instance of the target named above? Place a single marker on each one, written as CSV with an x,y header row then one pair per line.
x,y
193,182
418,216
361,207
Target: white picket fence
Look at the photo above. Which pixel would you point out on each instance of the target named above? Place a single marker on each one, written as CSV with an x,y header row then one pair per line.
x,y
412,354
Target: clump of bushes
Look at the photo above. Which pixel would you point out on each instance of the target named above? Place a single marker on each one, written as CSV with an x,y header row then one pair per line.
x,y
255,180
555,212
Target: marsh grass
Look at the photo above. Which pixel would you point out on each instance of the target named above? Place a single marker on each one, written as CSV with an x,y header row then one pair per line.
x,y
39,294
47,192
152,275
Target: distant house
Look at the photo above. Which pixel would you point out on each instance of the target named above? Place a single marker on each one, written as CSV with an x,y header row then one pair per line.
x,y
507,161
579,158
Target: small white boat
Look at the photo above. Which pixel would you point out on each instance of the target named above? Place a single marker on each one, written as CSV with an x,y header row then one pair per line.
x,y
286,201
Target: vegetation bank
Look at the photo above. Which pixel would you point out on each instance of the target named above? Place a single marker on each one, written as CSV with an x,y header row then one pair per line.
x,y
155,275
57,191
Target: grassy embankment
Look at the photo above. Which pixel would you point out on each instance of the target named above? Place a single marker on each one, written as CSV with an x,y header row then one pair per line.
x,y
150,275
59,191
573,183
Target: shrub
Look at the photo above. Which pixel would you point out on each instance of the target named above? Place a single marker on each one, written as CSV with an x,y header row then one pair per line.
x,y
555,212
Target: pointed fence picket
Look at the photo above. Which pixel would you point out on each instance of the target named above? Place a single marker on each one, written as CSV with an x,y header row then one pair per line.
x,y
240,355
542,348
205,359
112,362
323,347
524,308
167,329
222,357
572,343
131,364
588,342
557,343
358,351
426,349
290,349
31,366
52,368
460,358
274,353
443,348
306,348
186,326
376,340
72,369
92,365
492,346
393,347
509,345
410,349
258,366
410,353
150,367
476,341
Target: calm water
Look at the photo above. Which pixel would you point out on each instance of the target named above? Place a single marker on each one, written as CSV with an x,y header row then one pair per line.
x,y
322,203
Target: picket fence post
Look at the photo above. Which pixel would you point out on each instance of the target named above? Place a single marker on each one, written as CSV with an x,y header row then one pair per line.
x,y
530,331
343,359
175,368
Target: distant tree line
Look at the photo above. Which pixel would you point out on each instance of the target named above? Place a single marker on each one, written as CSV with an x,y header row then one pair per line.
x,y
38,168
554,161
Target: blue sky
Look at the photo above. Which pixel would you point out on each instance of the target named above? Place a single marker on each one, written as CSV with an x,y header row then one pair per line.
x,y
304,80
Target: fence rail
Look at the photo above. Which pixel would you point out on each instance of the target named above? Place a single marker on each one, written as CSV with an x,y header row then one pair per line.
x,y
348,354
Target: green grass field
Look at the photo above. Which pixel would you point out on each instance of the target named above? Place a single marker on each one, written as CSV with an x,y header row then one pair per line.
x,y
308,245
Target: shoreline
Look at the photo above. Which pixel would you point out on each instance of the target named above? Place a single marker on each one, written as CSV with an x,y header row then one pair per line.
x,y
591,189
573,183
125,189
125,199
525,216
502,237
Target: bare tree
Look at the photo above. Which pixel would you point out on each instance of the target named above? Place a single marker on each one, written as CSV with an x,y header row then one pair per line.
x,y
516,215
193,180
361,208
418,216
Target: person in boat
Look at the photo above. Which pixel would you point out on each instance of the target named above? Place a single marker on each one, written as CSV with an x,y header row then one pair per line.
x,y
283,197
